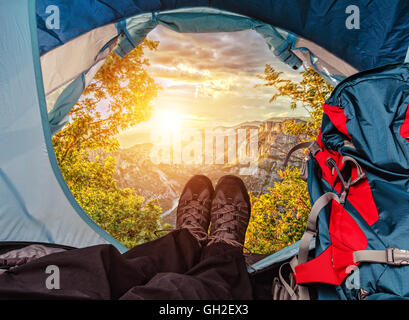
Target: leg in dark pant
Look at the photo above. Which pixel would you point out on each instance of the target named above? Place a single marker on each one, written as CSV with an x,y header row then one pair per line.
x,y
172,267
221,274
176,266
101,272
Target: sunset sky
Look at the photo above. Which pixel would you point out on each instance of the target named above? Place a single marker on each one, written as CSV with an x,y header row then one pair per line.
x,y
209,80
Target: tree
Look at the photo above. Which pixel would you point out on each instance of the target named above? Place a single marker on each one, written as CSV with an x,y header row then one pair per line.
x,y
279,216
309,94
118,97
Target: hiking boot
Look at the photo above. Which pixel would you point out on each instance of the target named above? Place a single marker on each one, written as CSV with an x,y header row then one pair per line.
x,y
230,214
193,212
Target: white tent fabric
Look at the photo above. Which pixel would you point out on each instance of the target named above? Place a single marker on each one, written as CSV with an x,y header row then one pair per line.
x,y
67,62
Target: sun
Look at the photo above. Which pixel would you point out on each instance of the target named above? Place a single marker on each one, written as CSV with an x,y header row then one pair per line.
x,y
168,121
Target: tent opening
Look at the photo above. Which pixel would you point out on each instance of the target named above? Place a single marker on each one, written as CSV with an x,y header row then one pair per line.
x,y
179,104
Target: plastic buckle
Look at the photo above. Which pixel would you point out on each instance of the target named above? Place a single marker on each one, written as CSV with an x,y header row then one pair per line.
x,y
397,257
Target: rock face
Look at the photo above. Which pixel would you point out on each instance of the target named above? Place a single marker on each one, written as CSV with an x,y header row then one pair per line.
x,y
166,181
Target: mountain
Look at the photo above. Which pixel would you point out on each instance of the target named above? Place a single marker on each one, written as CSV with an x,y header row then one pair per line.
x,y
166,181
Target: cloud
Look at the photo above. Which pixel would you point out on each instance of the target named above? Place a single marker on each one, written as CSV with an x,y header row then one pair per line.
x,y
243,51
213,76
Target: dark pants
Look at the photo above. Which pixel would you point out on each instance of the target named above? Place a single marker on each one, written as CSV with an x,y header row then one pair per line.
x,y
172,267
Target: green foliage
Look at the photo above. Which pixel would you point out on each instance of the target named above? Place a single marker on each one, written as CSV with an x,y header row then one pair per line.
x,y
279,217
118,98
309,94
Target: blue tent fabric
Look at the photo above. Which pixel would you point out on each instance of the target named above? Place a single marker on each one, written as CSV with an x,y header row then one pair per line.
x,y
80,16
21,220
383,37
201,20
277,257
68,98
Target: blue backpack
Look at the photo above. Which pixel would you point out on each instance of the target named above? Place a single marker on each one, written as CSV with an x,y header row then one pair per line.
x,y
358,181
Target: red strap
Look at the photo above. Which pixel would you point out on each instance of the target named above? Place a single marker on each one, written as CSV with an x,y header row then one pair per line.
x,y
360,194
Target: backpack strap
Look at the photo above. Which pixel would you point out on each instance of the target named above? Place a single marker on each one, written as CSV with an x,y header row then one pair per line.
x,y
296,291
360,171
311,230
390,256
283,290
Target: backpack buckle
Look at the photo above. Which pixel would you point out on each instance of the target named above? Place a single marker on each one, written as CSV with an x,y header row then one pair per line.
x,y
397,257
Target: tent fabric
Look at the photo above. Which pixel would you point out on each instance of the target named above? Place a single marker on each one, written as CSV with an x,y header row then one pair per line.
x,y
66,63
78,17
332,68
381,39
58,115
36,204
202,20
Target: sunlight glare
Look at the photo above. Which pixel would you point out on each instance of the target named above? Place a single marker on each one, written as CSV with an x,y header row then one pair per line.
x,y
168,121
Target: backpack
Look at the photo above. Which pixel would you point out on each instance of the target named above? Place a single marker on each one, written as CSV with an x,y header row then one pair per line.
x,y
358,180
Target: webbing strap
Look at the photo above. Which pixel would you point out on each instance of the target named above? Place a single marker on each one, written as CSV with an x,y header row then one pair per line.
x,y
295,291
121,27
283,290
349,144
360,171
288,287
311,229
311,145
302,291
390,256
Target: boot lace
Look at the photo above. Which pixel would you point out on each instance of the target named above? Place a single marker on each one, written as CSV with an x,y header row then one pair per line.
x,y
228,218
192,213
